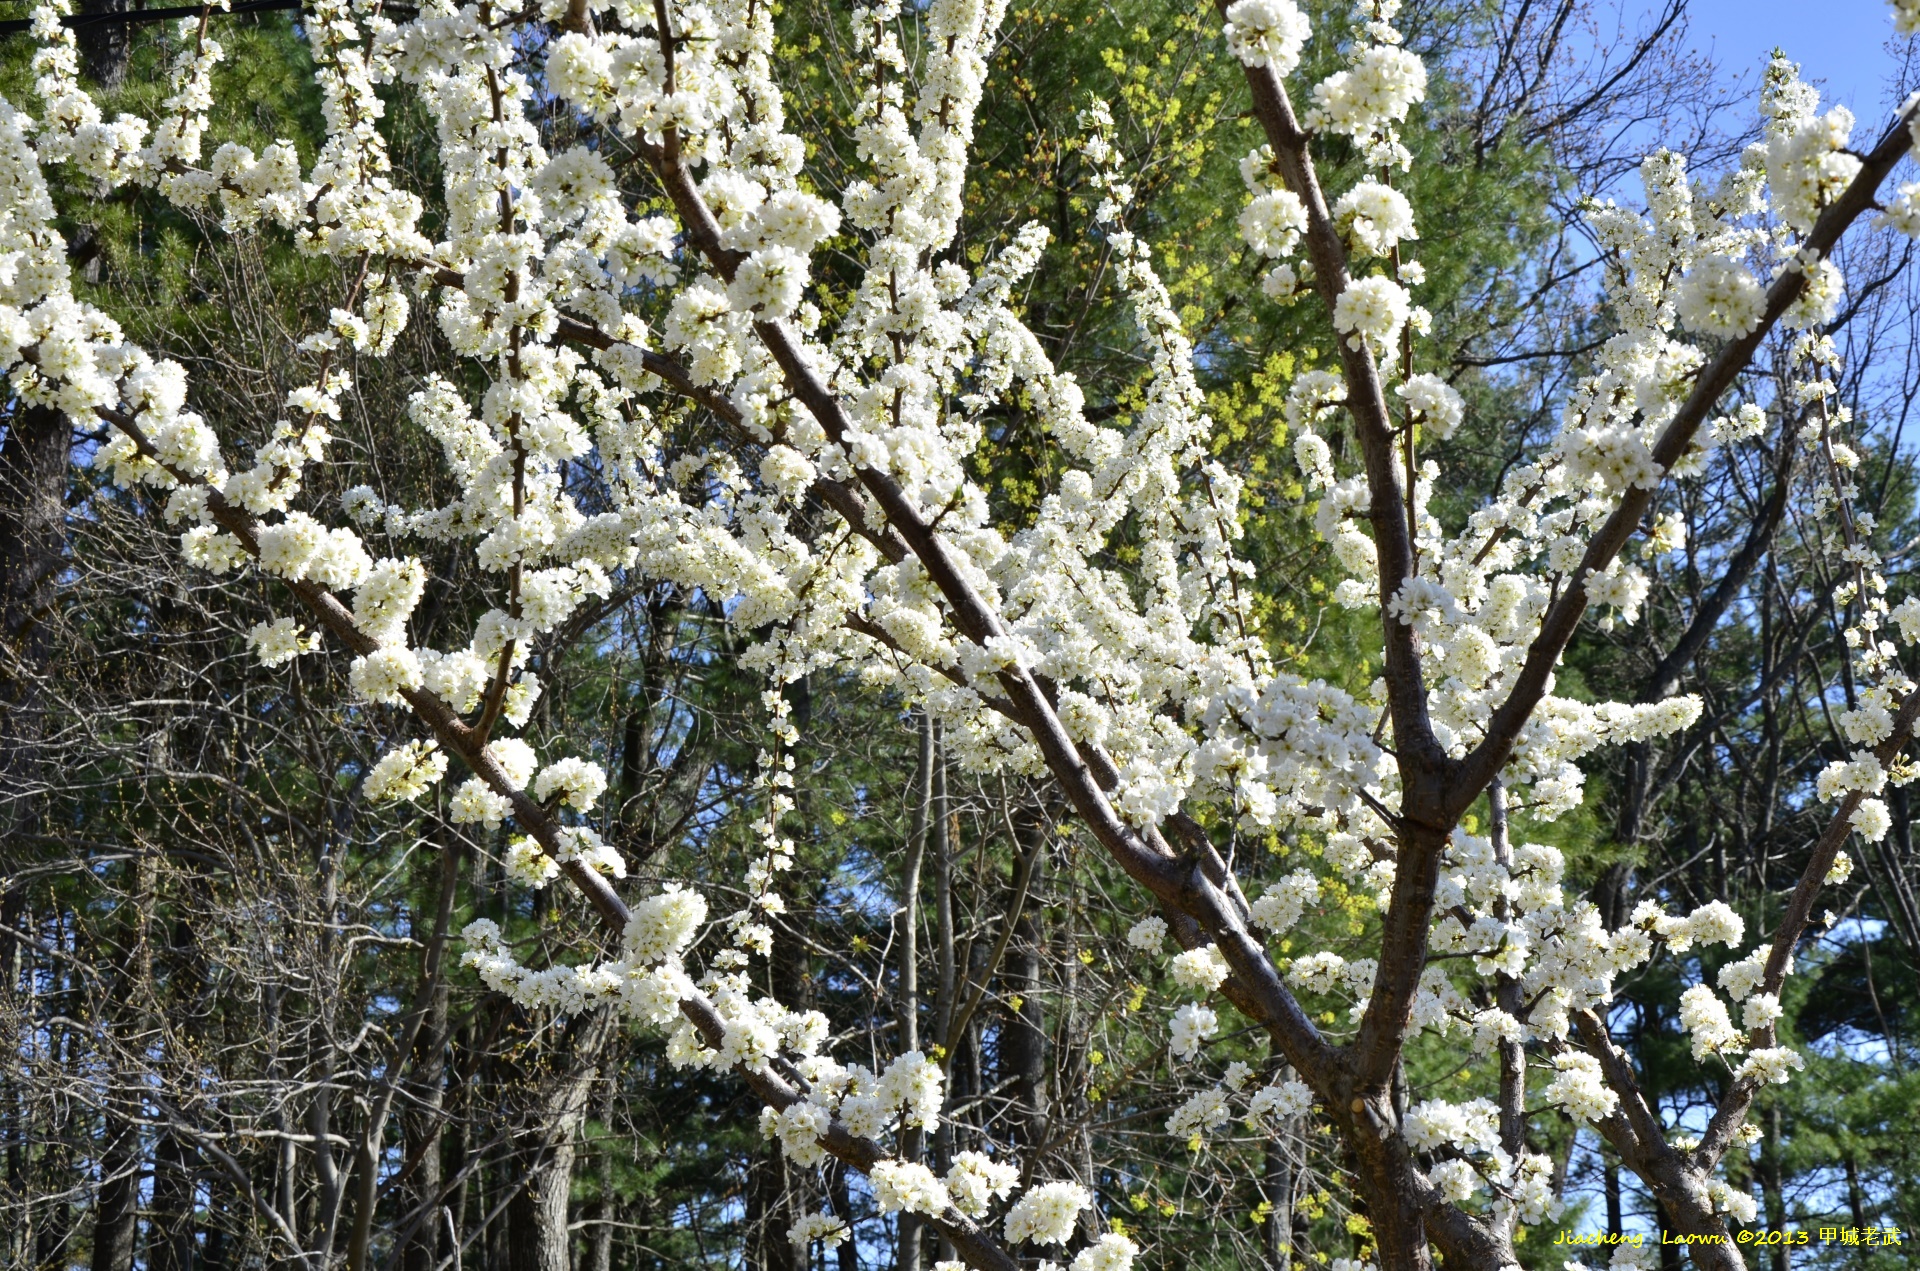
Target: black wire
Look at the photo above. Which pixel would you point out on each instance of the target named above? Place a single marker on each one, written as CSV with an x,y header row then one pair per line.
x,y
133,17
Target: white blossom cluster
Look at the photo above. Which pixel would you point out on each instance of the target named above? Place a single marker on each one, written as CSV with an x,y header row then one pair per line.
x,y
1579,1088
1047,1214
406,772
1267,33
1368,102
1370,99
1468,1135
1210,1109
826,1228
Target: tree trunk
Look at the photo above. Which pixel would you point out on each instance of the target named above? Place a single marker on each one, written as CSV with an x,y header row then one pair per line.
x,y
907,990
105,46
1073,1064
56,1227
1669,1254
1023,1043
942,843
600,1235
170,1226
1610,1181
116,1210
423,1130
848,1251
33,483
538,1238
1770,1186
943,848
458,1141
768,1214
1276,1187
429,993
1856,1198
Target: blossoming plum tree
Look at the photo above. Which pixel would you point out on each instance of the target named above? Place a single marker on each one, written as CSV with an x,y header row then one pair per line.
x,y
1145,695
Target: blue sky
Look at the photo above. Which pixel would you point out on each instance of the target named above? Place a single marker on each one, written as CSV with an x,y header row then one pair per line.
x,y
1838,41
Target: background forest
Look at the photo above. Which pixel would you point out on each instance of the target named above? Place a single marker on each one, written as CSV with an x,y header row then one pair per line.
x,y
234,1024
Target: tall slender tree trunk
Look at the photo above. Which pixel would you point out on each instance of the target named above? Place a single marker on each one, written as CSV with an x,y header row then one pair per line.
x,y
942,842
18,1194
429,989
1277,1190
1074,1072
423,1129
1610,1182
116,1208
1023,1043
538,1238
1277,1183
847,1252
56,1227
329,1192
907,942
286,1162
943,846
33,483
170,1226
171,1243
1856,1197
457,1148
495,1236
1771,1190
600,1235
768,1213
1669,1254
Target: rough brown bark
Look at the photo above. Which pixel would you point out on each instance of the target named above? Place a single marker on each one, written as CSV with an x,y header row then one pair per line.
x,y
537,1235
423,1130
